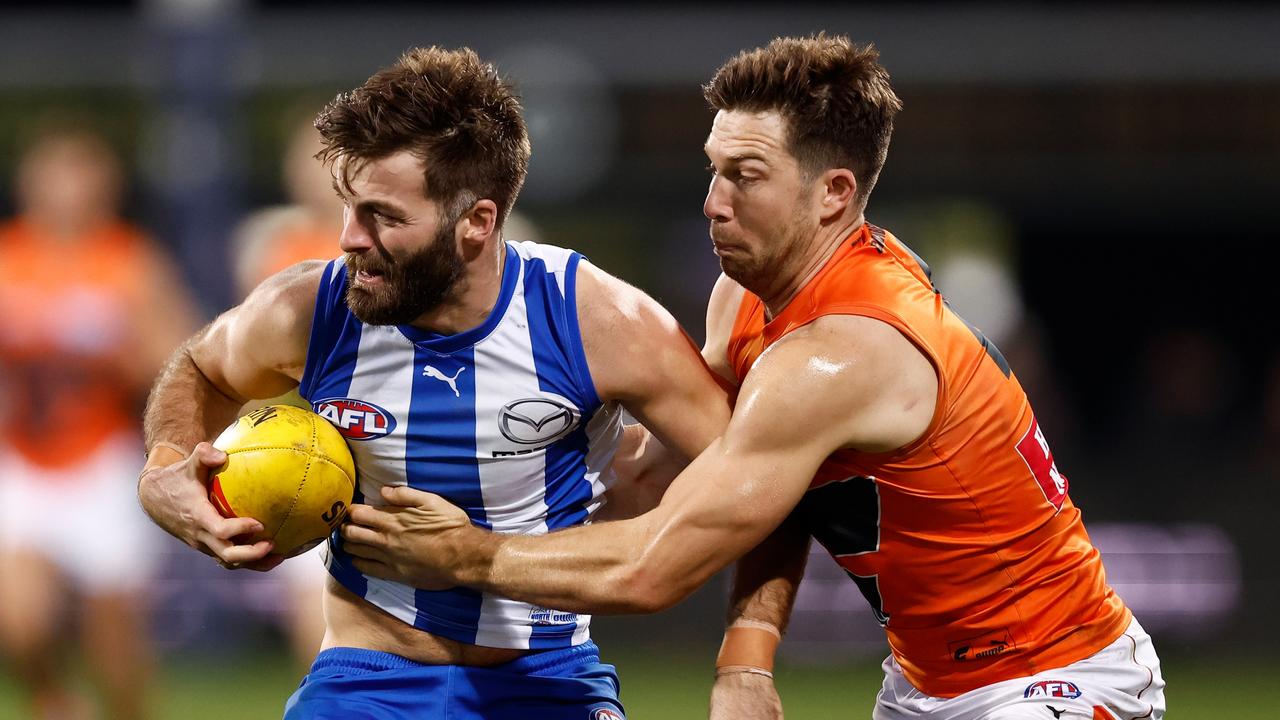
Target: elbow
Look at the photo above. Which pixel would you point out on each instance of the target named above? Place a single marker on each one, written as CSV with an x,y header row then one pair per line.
x,y
643,589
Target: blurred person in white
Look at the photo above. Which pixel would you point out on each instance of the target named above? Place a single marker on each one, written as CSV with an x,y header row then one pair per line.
x,y
89,309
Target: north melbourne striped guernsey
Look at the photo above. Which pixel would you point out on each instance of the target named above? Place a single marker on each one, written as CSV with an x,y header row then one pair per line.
x,y
502,420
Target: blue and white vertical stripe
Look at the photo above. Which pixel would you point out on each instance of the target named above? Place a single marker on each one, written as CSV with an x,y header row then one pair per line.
x,y
502,420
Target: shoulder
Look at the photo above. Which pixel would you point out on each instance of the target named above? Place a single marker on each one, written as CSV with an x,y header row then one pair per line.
x,y
284,300
615,313
628,337
722,312
852,372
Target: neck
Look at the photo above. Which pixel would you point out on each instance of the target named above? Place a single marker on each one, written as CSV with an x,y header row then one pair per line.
x,y
477,293
806,264
66,227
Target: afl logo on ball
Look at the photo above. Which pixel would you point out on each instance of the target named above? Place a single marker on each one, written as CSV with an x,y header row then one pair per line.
x,y
536,421
356,419
606,714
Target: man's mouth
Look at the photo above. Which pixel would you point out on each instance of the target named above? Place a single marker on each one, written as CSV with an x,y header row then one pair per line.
x,y
368,277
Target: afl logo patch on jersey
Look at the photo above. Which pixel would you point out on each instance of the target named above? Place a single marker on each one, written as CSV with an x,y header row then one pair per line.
x,y
606,714
536,421
356,419
1052,689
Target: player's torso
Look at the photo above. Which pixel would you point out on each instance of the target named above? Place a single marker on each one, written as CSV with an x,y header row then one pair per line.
x,y
502,420
65,332
965,542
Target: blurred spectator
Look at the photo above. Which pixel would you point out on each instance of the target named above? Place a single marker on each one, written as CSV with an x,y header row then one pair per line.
x,y
89,310
273,238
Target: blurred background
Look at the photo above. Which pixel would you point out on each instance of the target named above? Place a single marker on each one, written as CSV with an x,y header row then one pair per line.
x,y
1095,185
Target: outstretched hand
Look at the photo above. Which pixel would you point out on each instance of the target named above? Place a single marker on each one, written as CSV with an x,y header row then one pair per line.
x,y
415,539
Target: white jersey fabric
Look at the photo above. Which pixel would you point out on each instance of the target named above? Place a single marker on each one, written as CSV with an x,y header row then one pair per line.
x,y
1119,682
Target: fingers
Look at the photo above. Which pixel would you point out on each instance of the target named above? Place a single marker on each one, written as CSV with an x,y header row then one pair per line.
x,y
233,556
270,562
405,496
206,455
362,535
227,528
369,516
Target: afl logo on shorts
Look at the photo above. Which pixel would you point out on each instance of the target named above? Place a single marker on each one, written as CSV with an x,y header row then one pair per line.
x,y
536,421
606,714
356,419
1052,689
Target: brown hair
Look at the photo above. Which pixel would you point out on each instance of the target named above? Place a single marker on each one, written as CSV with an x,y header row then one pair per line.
x,y
448,108
833,95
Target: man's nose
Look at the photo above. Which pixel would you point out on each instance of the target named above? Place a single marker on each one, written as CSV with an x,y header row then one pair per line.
x,y
716,207
355,237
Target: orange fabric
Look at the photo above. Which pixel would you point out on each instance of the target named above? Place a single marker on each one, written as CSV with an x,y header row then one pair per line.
x,y
66,328
978,557
295,244
1101,713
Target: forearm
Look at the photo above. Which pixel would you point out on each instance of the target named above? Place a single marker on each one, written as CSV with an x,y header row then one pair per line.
x,y
184,407
577,570
766,579
644,468
764,591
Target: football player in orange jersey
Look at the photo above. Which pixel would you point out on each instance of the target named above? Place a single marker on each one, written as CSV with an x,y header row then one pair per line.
x,y
89,309
869,415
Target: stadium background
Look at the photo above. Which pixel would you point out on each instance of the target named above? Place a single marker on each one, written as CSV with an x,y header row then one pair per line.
x,y
1096,185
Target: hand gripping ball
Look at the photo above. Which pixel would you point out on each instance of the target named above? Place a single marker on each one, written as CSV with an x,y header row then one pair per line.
x,y
290,470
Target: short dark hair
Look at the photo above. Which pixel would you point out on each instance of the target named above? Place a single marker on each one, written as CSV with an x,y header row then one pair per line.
x,y
833,95
447,107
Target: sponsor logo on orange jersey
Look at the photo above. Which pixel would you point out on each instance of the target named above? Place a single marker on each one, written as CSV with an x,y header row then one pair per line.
x,y
982,647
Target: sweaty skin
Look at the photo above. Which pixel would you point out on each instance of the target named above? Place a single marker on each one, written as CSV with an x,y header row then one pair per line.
x,y
839,382
637,354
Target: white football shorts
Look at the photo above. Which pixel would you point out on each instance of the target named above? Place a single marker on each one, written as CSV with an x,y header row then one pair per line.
x,y
1120,682
85,517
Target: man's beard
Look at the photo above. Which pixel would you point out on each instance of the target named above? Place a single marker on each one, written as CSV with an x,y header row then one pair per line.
x,y
410,287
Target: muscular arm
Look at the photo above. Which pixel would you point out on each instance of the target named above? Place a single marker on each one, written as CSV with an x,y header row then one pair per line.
x,y
647,466
640,357
841,381
255,350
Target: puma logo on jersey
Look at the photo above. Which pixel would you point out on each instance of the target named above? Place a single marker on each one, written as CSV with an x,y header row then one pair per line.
x,y
452,382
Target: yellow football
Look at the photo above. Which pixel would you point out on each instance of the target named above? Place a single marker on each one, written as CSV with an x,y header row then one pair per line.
x,y
290,470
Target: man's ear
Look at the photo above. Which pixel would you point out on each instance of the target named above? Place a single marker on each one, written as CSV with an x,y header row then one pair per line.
x,y
478,223
840,189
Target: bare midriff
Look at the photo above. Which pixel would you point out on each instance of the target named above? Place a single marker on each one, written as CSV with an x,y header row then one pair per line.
x,y
352,622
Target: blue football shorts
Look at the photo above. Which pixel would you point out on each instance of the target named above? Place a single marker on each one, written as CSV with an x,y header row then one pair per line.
x,y
356,684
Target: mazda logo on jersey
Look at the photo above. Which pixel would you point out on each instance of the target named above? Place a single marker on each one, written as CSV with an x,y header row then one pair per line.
x,y
536,421
356,419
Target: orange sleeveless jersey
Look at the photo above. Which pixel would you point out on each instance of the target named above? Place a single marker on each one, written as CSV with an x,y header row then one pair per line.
x,y
964,542
65,334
